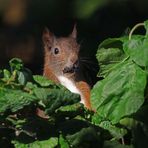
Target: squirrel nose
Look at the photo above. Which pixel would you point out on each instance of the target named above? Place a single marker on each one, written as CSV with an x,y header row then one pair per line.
x,y
76,65
72,68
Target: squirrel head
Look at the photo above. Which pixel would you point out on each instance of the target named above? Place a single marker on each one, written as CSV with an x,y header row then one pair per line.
x,y
61,54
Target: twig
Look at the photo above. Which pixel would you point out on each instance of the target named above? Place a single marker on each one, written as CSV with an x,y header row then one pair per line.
x,y
134,28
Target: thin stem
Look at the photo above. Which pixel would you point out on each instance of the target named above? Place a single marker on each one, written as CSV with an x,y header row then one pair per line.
x,y
134,28
122,141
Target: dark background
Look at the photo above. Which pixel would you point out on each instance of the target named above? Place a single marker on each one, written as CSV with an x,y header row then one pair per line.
x,y
22,23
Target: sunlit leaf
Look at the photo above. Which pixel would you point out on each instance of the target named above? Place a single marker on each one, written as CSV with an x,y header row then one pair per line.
x,y
42,81
137,49
121,93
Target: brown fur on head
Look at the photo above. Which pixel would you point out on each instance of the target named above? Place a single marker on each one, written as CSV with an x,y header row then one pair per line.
x,y
61,54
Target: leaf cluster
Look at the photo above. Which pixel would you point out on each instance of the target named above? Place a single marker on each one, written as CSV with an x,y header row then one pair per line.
x,y
120,98
36,112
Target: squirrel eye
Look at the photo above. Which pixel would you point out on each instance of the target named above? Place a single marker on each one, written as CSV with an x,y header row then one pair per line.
x,y
56,51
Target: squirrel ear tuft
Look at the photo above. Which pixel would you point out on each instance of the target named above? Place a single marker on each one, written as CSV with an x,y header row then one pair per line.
x,y
47,36
74,32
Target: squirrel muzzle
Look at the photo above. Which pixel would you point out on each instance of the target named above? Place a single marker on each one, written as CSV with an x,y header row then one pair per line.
x,y
71,69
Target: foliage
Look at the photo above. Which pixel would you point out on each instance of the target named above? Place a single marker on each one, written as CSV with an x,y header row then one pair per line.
x,y
122,93
36,112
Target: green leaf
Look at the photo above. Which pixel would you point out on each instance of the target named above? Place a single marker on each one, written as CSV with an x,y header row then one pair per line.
x,y
41,93
43,81
50,143
14,100
116,132
59,97
86,137
16,64
137,49
69,108
21,78
7,74
109,54
121,93
146,27
63,143
113,43
70,111
115,144
30,86
129,123
108,59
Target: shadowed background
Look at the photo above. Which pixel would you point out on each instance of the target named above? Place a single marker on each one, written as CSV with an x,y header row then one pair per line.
x,y
22,23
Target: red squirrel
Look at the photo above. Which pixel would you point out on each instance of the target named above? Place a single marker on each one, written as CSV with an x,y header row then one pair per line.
x,y
61,62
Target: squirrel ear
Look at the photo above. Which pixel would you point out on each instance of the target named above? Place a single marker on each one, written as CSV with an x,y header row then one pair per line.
x,y
47,37
74,32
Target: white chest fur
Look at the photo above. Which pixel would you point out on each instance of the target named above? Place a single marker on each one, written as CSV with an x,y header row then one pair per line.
x,y
68,84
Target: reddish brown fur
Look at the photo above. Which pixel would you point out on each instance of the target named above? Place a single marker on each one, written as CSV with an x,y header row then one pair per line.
x,y
85,89
54,64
